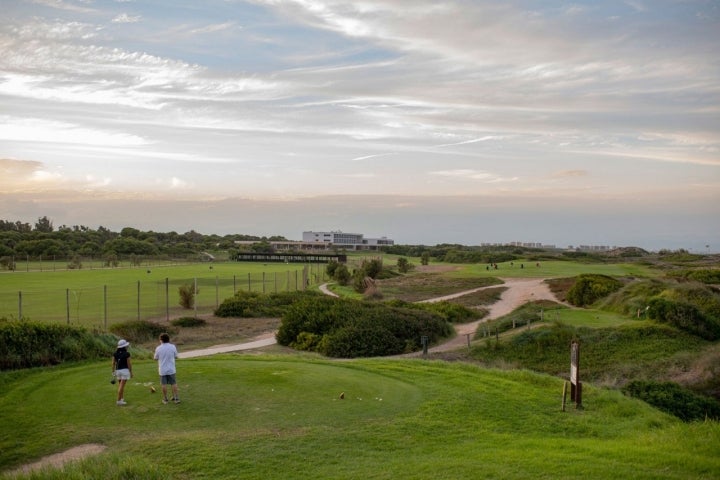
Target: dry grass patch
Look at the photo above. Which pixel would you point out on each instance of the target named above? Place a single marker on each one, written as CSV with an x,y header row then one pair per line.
x,y
218,331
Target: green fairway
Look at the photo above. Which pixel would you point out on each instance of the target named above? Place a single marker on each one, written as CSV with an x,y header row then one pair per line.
x,y
101,297
554,269
262,417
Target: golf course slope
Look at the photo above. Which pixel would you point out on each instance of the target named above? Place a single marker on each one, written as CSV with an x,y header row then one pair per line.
x,y
257,416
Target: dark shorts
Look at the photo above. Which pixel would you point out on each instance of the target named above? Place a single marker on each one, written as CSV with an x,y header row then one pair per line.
x,y
167,379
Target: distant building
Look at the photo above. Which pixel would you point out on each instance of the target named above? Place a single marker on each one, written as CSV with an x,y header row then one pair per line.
x,y
348,241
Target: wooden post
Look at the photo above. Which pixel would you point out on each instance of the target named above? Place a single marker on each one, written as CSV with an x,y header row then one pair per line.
x,y
20,305
167,299
105,306
468,340
575,384
564,395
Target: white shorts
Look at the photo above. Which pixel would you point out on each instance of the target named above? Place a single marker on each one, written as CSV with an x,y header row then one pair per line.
x,y
123,374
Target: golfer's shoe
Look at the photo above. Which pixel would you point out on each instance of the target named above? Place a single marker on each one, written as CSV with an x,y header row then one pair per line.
x,y
121,402
176,400
165,401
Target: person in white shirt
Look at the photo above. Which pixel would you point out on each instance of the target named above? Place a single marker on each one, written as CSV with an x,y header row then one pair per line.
x,y
165,354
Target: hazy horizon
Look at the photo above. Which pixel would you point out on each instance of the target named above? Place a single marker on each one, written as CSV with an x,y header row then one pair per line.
x,y
428,122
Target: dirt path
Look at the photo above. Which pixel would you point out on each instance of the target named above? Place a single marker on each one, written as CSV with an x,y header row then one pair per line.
x,y
519,291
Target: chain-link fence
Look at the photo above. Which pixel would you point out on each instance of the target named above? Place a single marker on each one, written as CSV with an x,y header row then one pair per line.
x,y
102,305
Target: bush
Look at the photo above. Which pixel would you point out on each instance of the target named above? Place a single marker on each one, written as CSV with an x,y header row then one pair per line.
x,y
590,288
674,399
353,328
256,305
684,316
451,312
31,344
187,296
705,276
139,330
188,322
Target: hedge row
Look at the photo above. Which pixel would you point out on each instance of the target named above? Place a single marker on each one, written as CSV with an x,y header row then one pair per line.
x,y
675,400
29,344
353,328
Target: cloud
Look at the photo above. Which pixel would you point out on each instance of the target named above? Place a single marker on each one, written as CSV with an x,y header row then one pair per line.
x,y
214,28
473,175
125,18
570,173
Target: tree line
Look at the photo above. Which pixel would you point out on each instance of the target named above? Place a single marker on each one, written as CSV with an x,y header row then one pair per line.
x,y
43,241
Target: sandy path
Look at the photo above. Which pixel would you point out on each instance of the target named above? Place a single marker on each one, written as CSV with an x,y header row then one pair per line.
x,y
519,291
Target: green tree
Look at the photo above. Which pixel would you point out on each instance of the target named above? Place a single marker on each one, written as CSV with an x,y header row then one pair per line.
x,y
404,265
44,225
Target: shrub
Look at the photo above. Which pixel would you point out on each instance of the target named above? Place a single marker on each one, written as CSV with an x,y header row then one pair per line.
x,y
705,276
255,305
353,328
451,312
139,330
684,316
590,288
31,344
189,322
187,295
674,399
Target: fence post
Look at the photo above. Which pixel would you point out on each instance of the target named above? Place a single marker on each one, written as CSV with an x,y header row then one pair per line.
x,y
67,304
217,292
263,283
20,305
167,299
234,284
105,305
195,302
138,300
249,285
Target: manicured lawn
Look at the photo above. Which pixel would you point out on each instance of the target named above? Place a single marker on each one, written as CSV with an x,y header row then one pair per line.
x,y
269,417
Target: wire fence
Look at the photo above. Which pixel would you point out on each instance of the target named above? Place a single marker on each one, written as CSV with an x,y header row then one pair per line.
x,y
100,306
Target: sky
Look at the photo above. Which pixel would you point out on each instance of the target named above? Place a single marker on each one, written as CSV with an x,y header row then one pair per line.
x,y
462,121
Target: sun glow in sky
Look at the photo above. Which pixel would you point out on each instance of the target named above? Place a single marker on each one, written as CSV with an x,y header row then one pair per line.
x,y
428,122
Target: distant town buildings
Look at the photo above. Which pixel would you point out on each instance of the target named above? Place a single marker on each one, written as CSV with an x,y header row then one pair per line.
x,y
328,241
339,240
350,241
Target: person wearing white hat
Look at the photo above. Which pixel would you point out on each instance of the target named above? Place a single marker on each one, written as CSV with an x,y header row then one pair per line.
x,y
122,369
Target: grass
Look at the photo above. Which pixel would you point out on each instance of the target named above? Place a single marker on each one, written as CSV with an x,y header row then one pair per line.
x,y
267,417
554,269
100,297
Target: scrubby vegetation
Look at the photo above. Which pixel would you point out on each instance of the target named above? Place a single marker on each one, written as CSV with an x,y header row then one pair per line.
x,y
675,400
188,322
590,288
25,344
257,305
139,330
353,328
